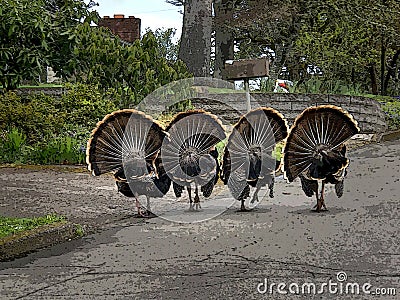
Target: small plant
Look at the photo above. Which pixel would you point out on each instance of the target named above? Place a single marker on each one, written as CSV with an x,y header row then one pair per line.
x,y
79,230
12,145
59,150
277,153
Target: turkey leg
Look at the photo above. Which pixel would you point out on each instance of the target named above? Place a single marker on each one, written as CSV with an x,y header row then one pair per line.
x,y
255,195
242,207
320,199
322,195
189,189
197,199
140,210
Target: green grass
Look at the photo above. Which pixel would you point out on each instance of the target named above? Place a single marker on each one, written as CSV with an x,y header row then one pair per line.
x,y
9,226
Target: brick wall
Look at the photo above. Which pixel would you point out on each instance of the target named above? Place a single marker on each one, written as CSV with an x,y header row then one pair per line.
x,y
128,29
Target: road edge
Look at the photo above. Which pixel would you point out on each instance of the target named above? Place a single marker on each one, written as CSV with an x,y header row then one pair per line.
x,y
23,243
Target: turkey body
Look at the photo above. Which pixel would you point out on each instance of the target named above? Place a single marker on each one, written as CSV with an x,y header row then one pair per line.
x,y
315,150
127,143
248,160
190,156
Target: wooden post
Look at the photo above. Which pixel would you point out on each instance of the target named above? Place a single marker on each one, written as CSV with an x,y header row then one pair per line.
x,y
247,88
244,69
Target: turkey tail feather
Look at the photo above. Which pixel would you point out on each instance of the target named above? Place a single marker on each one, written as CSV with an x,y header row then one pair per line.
x,y
122,135
318,133
248,152
189,156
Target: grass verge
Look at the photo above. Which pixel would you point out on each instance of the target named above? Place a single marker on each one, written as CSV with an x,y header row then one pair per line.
x,y
10,226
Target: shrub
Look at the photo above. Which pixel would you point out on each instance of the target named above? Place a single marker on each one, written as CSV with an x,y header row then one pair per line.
x,y
391,108
12,146
47,129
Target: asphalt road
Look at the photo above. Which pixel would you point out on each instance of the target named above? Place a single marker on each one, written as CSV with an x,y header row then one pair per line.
x,y
231,256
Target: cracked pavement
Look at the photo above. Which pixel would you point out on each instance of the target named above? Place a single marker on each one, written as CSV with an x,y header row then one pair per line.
x,y
226,257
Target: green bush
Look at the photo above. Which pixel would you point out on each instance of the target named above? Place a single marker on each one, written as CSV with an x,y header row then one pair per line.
x,y
49,129
12,146
58,149
391,108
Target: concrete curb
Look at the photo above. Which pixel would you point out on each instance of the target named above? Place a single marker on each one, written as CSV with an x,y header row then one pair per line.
x,y
21,244
388,136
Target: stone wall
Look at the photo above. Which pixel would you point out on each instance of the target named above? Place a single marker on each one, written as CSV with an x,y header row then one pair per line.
x,y
49,91
366,111
230,107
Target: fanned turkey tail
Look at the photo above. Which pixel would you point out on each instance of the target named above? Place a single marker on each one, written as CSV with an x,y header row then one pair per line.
x,y
315,150
127,143
190,157
248,158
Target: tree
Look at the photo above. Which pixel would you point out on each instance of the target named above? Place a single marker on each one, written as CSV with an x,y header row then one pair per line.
x,y
353,42
195,45
167,48
357,42
224,38
24,40
133,70
348,42
32,37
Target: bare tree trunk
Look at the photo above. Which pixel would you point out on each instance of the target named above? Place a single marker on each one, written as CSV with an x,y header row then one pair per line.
x,y
392,70
374,84
195,47
224,40
383,61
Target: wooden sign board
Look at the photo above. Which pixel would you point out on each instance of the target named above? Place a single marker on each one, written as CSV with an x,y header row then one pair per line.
x,y
247,68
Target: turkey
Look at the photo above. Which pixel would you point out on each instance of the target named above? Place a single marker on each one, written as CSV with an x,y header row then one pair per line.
x,y
248,159
127,143
190,157
315,150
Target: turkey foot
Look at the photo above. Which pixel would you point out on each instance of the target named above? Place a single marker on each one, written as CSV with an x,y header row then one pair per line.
x,y
243,208
319,205
146,213
197,205
197,199
255,198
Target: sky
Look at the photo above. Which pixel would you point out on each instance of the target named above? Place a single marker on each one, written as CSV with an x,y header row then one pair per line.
x,y
153,13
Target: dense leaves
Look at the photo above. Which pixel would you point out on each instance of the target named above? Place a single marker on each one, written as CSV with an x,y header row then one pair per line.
x,y
47,129
36,34
134,70
356,42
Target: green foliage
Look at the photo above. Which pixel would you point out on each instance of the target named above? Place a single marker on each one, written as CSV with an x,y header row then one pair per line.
x,y
10,226
277,153
44,129
58,150
12,146
132,70
79,230
167,48
354,42
320,85
35,34
53,150
391,108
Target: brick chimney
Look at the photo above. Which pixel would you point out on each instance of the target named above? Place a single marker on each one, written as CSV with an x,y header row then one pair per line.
x,y
128,29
